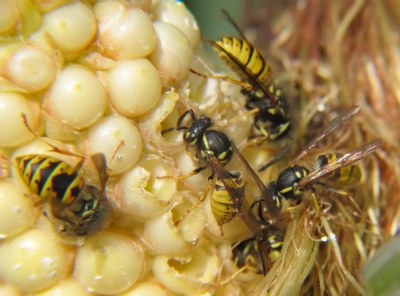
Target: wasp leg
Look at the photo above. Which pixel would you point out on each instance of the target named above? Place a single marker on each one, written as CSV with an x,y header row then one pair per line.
x,y
233,276
202,198
242,114
246,85
278,157
66,214
53,147
183,177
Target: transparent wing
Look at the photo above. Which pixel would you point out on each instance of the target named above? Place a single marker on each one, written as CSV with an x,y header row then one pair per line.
x,y
231,21
99,162
345,160
237,194
265,193
332,125
244,210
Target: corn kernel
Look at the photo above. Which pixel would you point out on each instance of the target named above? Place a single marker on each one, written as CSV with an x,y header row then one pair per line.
x,y
123,146
76,98
135,87
163,237
9,16
124,33
192,274
72,27
31,68
177,14
173,53
9,290
109,263
66,287
146,288
17,212
33,260
142,195
12,129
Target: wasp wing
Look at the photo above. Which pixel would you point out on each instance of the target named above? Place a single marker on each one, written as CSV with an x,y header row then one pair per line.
x,y
272,208
332,125
345,160
231,21
244,210
100,164
237,194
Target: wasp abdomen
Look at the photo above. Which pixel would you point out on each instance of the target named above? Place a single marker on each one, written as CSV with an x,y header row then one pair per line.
x,y
49,177
246,55
222,206
349,175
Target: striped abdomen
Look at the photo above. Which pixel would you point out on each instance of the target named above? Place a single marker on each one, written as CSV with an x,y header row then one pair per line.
x,y
222,205
345,176
243,58
50,178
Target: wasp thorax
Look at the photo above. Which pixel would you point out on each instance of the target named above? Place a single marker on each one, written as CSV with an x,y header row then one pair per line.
x,y
216,143
288,180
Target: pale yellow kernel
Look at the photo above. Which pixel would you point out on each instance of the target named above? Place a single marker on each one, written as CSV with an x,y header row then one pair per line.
x,y
146,288
33,260
164,237
17,212
13,132
192,274
76,98
135,87
177,14
173,53
109,263
143,195
49,5
66,287
31,69
9,16
9,290
125,33
118,139
72,27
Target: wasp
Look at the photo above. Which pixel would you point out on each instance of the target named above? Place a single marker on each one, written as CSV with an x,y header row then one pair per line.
x,y
332,168
221,203
246,254
271,121
77,208
215,149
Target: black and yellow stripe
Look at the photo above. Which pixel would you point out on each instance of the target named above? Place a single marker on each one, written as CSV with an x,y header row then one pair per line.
x,y
222,205
243,58
349,175
247,253
50,178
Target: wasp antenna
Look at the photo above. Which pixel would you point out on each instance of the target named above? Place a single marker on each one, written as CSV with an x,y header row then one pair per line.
x,y
230,20
168,130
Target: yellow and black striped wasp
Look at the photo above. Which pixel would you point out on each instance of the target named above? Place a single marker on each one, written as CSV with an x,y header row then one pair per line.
x,y
271,121
333,169
215,149
246,254
76,208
